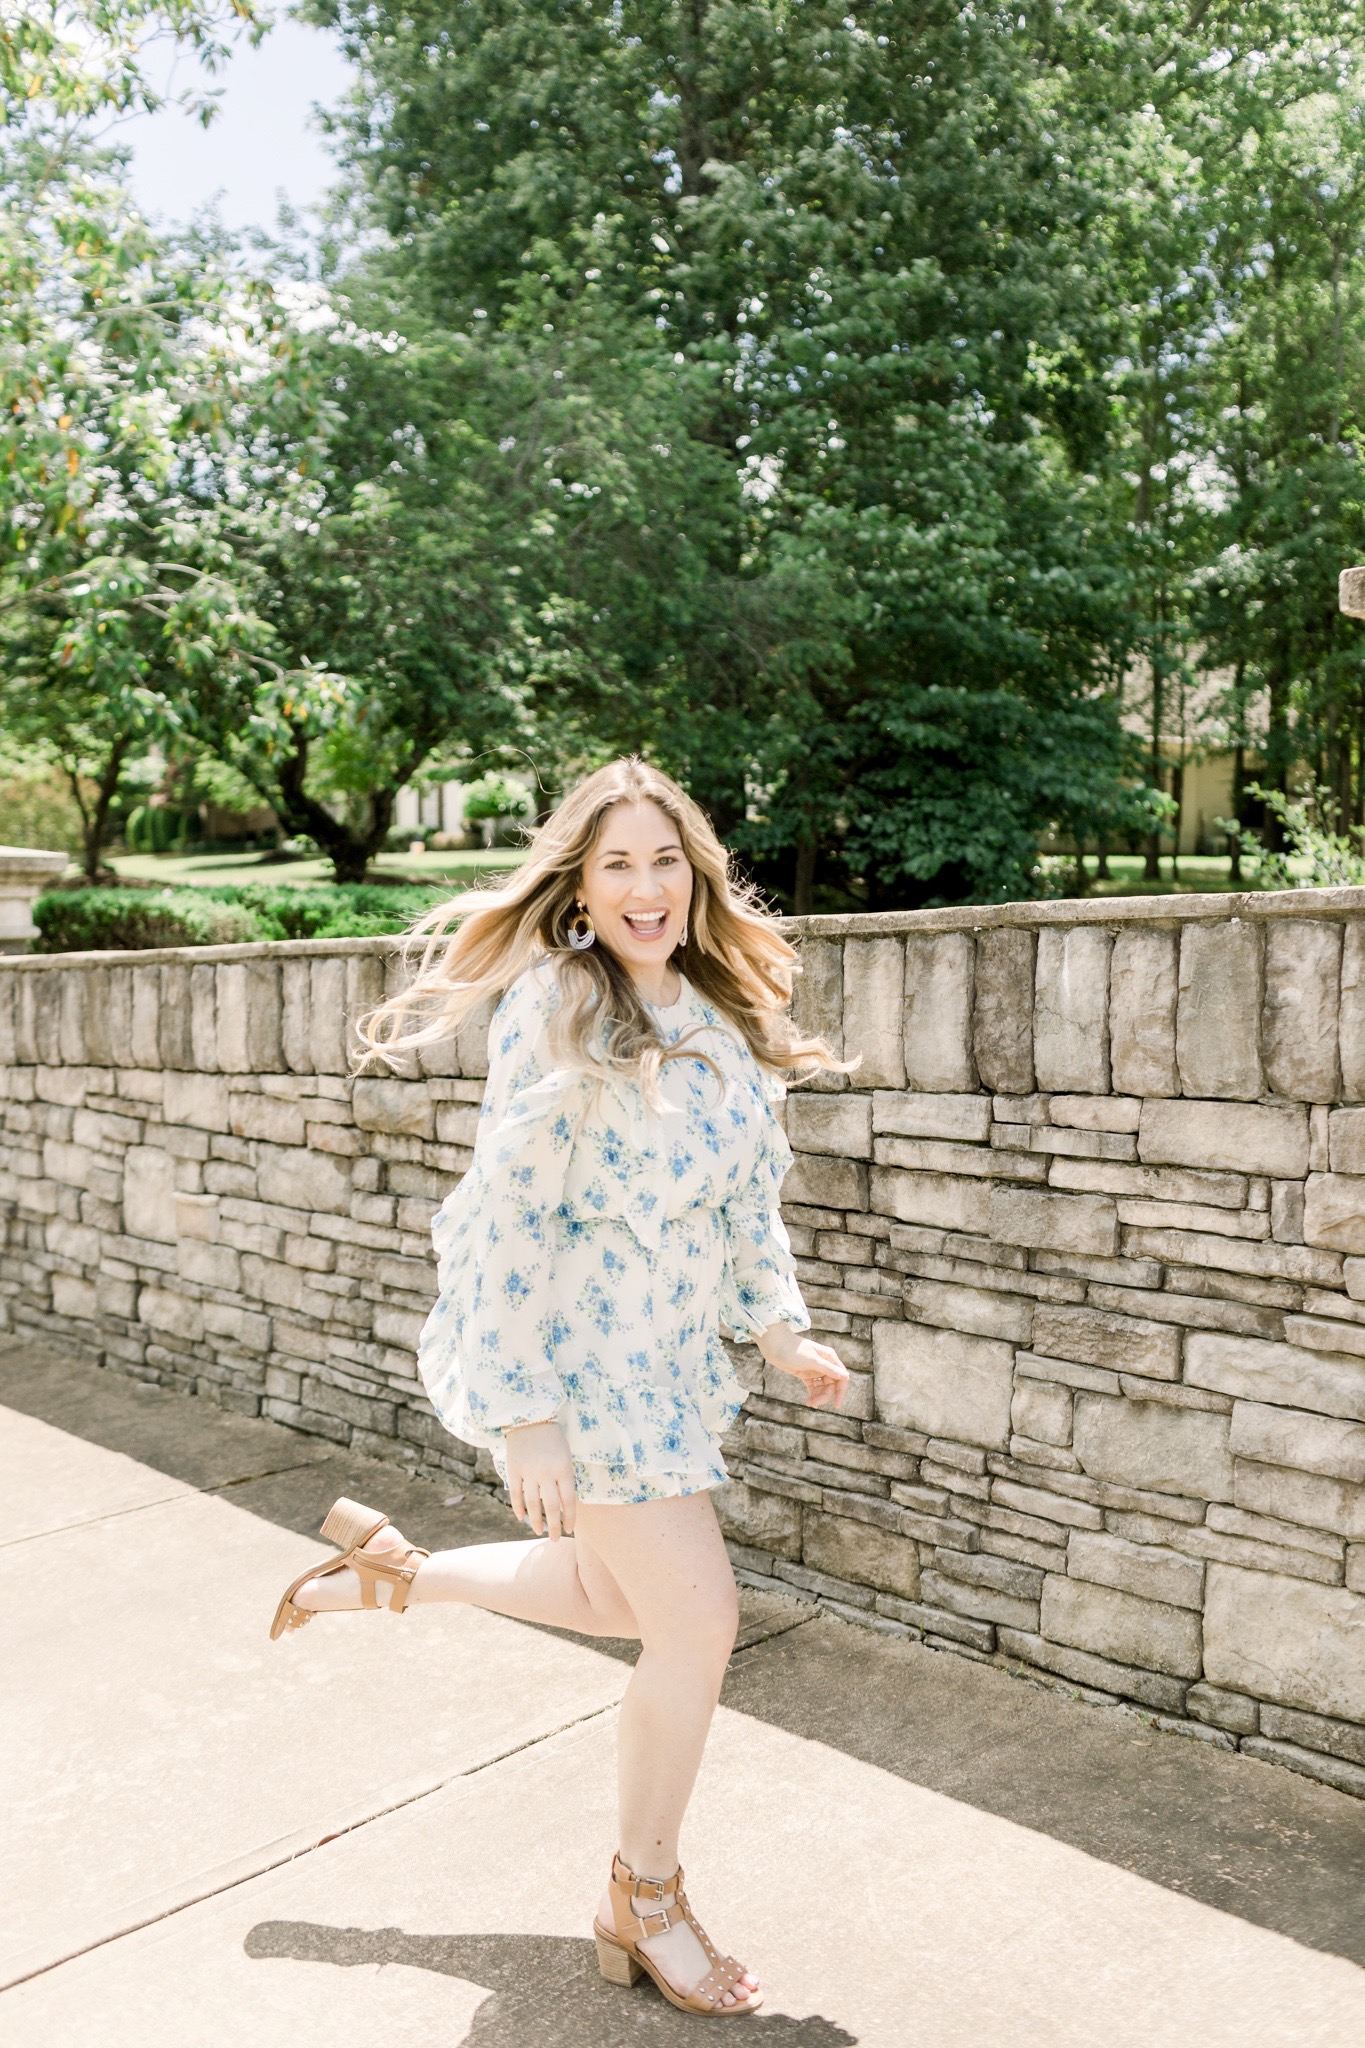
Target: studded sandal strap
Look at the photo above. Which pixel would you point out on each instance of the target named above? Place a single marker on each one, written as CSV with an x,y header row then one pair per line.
x,y
723,1976
669,1907
724,1973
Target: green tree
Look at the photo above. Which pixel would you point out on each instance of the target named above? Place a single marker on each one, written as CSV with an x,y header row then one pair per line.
x,y
123,363
857,247
389,592
1287,384
127,378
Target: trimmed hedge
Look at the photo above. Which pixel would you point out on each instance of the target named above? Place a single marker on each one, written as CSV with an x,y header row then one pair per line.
x,y
128,920
355,910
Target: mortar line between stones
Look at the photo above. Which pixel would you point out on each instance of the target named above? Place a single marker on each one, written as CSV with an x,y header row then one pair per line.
x,y
299,1848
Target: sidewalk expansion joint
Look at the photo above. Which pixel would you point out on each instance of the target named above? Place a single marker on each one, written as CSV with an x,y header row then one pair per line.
x,y
162,1500
139,1507
250,1478
288,1849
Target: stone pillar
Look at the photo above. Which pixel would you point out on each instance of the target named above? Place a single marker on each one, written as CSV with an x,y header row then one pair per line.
x,y
23,871
1351,593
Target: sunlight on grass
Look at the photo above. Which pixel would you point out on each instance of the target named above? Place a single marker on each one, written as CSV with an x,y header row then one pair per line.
x,y
1194,875
183,870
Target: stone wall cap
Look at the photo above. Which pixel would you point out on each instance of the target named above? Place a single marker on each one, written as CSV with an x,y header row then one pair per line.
x,y
32,860
204,956
1223,905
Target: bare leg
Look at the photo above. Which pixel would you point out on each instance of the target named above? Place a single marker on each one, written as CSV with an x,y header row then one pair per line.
x,y
562,1584
656,1570
669,1561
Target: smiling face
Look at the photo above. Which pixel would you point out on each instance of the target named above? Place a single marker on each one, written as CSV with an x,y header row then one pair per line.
x,y
637,885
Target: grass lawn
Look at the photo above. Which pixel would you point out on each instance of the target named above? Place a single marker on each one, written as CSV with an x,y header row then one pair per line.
x,y
1192,875
182,870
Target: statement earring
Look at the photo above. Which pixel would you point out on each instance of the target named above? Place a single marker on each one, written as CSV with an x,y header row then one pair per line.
x,y
682,936
581,932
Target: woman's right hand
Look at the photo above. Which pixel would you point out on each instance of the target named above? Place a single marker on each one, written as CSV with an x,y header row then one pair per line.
x,y
540,1478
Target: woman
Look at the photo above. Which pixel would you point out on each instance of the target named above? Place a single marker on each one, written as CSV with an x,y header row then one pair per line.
x,y
622,1205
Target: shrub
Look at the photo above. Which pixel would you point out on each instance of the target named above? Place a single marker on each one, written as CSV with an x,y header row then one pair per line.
x,y
155,828
355,910
1313,833
127,920
495,796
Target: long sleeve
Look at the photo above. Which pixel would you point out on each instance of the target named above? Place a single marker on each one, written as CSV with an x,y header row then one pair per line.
x,y
759,1288
507,1322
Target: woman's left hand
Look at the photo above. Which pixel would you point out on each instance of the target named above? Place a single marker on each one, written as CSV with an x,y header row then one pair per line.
x,y
821,1371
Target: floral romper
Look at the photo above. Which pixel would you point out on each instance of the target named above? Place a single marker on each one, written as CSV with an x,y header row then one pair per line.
x,y
590,1255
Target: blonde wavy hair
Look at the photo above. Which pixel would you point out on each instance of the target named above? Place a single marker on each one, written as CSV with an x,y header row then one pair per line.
x,y
478,944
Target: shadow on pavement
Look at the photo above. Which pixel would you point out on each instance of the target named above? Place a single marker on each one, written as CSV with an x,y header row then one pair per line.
x,y
545,1988
1276,1850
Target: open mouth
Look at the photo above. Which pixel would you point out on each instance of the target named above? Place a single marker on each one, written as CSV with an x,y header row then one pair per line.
x,y
646,924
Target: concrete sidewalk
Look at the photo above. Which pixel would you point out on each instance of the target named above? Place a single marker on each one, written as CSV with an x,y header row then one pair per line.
x,y
395,1831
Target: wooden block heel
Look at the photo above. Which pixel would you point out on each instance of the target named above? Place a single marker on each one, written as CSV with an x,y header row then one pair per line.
x,y
351,1526
617,1964
645,1906
348,1524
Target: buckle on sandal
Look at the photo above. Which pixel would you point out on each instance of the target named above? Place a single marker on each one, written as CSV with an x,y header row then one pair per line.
x,y
661,1913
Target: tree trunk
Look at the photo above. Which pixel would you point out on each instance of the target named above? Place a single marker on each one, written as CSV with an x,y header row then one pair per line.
x,y
1235,841
95,818
694,132
1178,792
1102,861
1279,740
1081,882
804,896
1152,865
349,851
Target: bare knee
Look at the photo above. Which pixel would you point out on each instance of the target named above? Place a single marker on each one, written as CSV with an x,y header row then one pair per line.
x,y
699,1632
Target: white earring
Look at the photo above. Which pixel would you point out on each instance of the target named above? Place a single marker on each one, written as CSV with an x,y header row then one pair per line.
x,y
580,931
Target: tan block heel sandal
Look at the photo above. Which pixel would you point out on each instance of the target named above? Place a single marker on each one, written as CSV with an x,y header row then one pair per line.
x,y
642,1906
351,1525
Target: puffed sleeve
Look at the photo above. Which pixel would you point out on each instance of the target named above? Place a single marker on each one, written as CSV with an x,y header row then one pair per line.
x,y
759,1288
496,1322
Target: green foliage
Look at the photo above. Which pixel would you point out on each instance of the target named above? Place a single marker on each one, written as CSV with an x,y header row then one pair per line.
x,y
126,920
122,920
133,369
390,596
824,297
36,806
155,828
360,910
1311,834
71,59
852,412
495,796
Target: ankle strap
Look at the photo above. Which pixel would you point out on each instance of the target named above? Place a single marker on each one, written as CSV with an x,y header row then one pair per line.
x,y
659,1888
630,1891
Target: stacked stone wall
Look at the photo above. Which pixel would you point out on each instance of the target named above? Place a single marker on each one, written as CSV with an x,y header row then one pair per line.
x,y
1087,1222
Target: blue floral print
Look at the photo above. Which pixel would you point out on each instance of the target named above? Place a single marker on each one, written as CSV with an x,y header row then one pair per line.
x,y
590,1256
